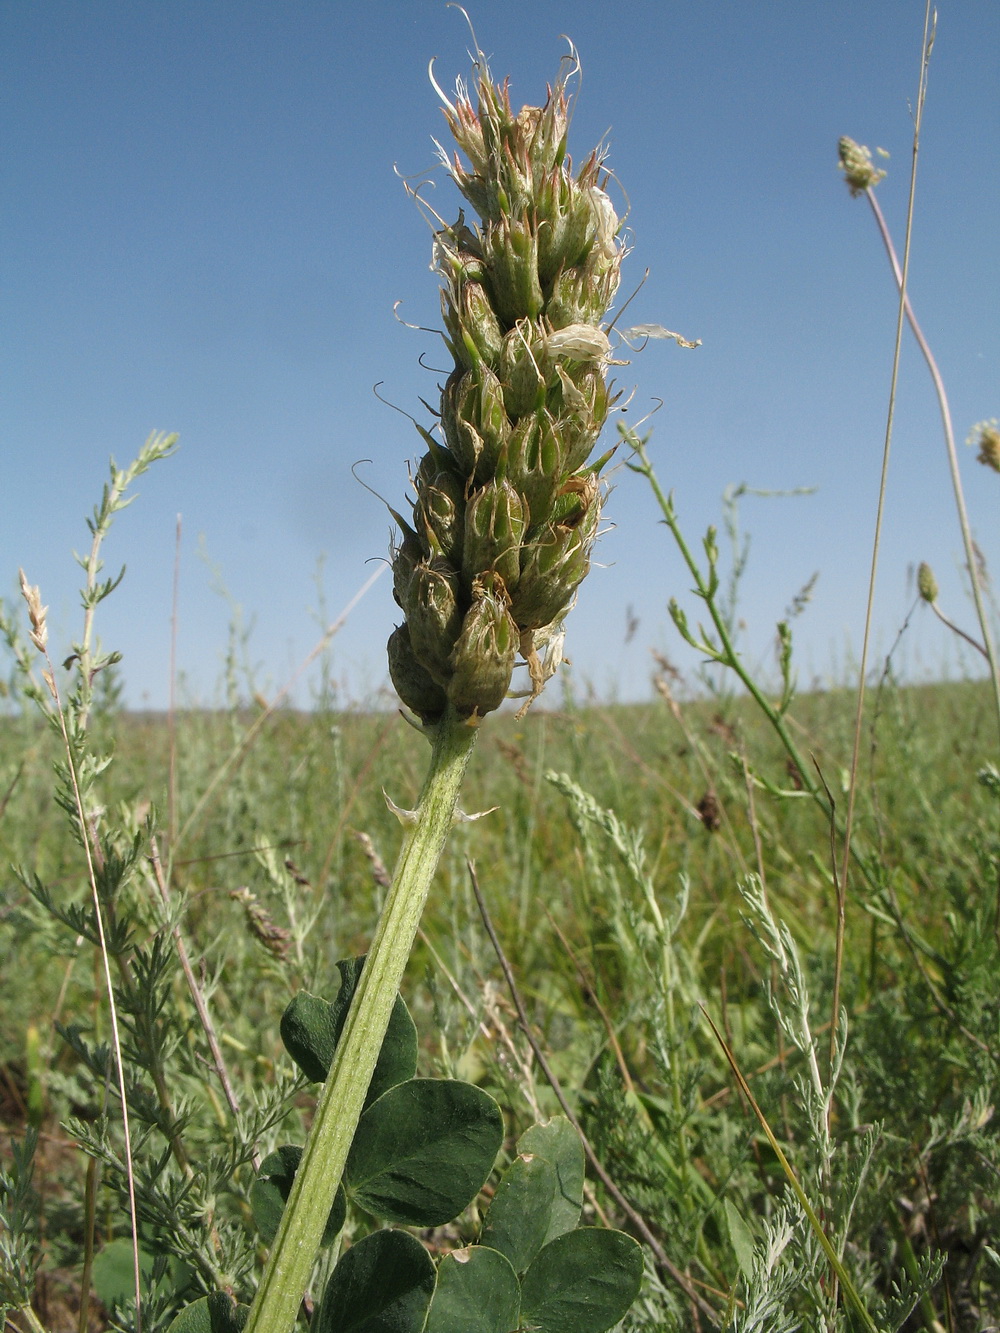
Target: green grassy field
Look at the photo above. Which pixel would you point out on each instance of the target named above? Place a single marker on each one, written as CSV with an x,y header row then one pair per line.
x,y
741,949
615,946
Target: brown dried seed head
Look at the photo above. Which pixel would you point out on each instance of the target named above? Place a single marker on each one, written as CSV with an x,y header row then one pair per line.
x,y
36,612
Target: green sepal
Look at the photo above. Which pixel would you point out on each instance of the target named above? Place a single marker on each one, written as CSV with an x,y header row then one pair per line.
x,y
311,1028
533,464
423,1151
511,253
383,1284
440,505
521,369
474,420
434,616
475,334
494,528
269,1194
483,660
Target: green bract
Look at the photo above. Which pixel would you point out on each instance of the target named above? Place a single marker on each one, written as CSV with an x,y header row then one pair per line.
x,y
504,517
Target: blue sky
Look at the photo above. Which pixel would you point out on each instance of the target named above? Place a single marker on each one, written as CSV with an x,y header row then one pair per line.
x,y
203,231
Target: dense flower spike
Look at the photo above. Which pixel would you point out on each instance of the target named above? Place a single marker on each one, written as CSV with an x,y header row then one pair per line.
x,y
506,509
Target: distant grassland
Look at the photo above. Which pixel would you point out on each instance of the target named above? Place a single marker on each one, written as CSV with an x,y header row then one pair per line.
x,y
616,894
311,782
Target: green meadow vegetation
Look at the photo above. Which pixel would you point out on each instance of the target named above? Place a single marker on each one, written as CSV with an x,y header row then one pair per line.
x,y
700,1025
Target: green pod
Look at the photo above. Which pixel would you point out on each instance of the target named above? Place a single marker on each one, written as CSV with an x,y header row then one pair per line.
x,y
578,297
511,253
533,463
568,230
433,615
405,557
412,682
475,332
521,369
552,568
494,528
475,421
439,511
483,659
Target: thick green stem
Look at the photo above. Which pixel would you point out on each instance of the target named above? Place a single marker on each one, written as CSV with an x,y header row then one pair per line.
x,y
295,1246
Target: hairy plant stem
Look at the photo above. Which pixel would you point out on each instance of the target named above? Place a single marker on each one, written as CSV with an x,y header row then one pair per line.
x,y
339,1109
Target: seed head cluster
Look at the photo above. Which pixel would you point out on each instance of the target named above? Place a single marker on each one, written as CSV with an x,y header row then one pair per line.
x,y
856,163
507,507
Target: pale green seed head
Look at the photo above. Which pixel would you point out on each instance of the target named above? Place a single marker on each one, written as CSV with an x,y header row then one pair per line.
x,y
927,584
506,514
856,163
986,436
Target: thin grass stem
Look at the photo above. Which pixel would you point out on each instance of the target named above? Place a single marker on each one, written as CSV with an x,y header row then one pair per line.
x,y
925,51
987,648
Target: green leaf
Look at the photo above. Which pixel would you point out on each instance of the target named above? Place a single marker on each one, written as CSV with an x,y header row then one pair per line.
x,y
582,1282
114,1275
742,1240
383,1284
423,1151
311,1028
477,1292
217,1313
520,1213
269,1194
559,1143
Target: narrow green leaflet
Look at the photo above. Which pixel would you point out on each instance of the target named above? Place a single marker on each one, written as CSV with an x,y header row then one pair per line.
x,y
742,1240
477,1292
269,1194
520,1213
423,1151
559,1143
383,1284
582,1282
311,1028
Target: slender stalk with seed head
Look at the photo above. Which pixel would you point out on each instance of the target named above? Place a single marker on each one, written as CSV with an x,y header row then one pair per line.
x,y
504,518
862,177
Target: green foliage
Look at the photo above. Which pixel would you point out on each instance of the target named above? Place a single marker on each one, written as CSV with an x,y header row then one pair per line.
x,y
423,1151
384,1284
311,1028
476,1291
